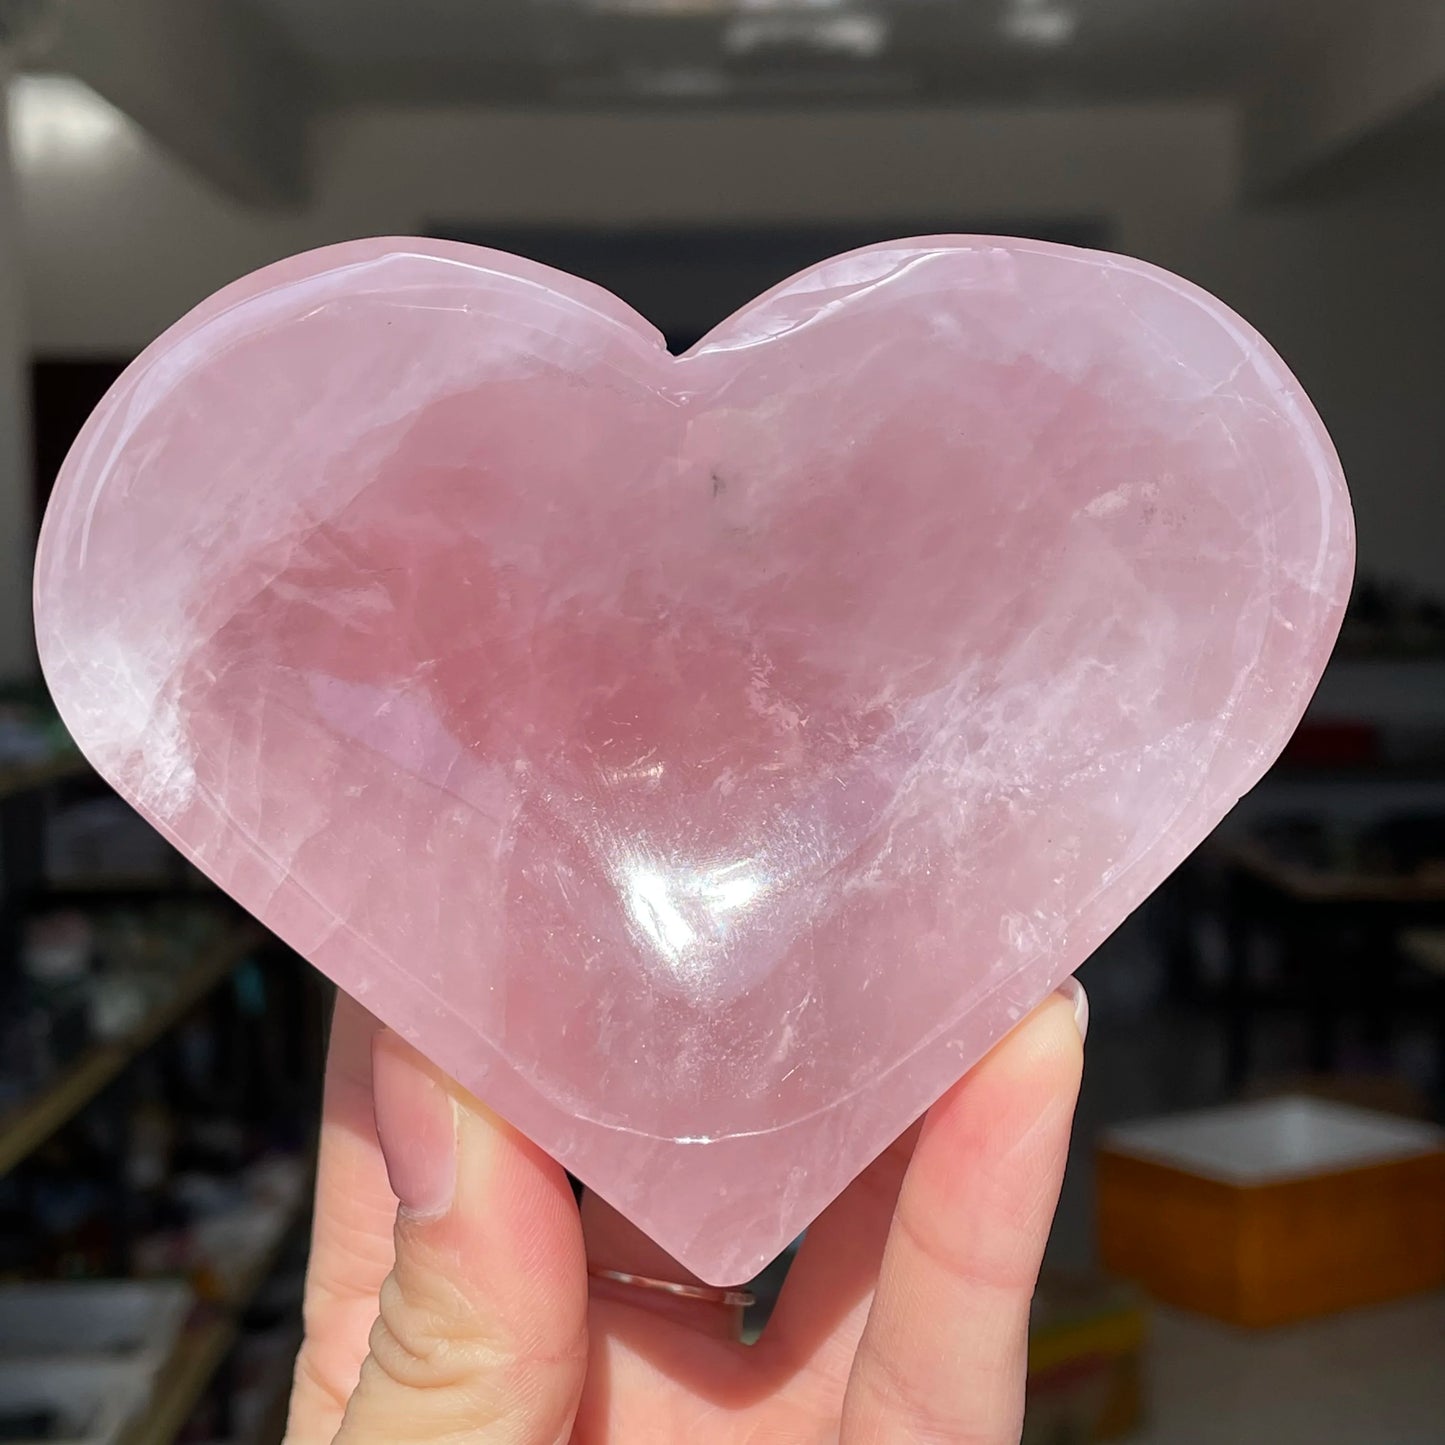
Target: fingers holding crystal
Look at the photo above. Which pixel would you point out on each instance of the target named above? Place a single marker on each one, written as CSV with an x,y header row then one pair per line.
x,y
944,1349
482,1322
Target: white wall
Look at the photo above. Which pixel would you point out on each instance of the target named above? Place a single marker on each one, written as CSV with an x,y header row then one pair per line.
x,y
1353,296
16,522
119,240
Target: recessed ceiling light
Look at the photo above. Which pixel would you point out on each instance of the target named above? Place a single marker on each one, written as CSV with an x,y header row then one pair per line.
x,y
678,82
666,8
1047,23
768,87
57,119
859,37
655,7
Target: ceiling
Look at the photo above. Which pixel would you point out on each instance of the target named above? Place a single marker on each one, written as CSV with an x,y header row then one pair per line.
x,y
1327,90
781,51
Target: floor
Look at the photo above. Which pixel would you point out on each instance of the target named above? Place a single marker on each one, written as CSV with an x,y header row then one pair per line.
x,y
1369,1377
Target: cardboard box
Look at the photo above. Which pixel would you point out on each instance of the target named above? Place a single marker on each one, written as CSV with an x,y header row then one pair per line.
x,y
1277,1210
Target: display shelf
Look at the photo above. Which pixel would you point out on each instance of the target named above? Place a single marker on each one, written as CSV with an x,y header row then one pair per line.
x,y
182,1381
270,1428
249,1281
1300,882
22,777
28,1125
199,1355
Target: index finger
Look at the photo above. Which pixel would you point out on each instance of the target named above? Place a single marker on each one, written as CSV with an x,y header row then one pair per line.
x,y
943,1354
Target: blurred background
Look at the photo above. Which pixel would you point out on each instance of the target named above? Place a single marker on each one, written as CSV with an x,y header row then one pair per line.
x,y
1272,1269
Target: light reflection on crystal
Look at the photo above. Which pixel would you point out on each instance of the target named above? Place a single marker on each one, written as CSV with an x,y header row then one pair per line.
x,y
686,915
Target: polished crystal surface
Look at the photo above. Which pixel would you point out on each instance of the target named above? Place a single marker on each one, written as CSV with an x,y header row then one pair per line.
x,y
705,759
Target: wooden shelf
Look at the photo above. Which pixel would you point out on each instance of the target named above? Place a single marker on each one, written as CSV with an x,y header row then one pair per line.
x,y
182,1382
201,1351
251,1280
22,778
28,1125
1311,885
270,1426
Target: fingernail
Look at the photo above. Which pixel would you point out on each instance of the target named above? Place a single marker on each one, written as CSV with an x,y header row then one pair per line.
x,y
416,1125
1073,990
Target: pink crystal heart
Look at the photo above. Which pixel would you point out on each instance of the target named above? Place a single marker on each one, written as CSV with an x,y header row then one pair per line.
x,y
705,759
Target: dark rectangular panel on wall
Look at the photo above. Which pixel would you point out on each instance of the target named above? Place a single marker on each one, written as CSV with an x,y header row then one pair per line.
x,y
63,393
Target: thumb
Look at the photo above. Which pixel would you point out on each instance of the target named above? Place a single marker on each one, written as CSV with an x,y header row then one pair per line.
x,y
482,1327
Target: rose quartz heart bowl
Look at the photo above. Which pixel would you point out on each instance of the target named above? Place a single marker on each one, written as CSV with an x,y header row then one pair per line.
x,y
705,759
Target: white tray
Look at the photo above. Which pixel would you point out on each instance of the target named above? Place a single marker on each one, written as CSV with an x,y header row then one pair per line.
x,y
131,1319
92,1400
1274,1140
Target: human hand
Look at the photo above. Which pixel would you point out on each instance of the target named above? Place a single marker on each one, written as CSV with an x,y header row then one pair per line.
x,y
466,1313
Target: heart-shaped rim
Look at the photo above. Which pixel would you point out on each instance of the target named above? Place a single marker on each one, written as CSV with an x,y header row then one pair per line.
x,y
979,765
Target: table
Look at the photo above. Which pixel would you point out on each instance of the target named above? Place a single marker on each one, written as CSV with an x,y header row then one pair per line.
x,y
1309,909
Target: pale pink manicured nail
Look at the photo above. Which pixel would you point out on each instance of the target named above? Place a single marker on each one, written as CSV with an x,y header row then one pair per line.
x,y
1073,990
416,1125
